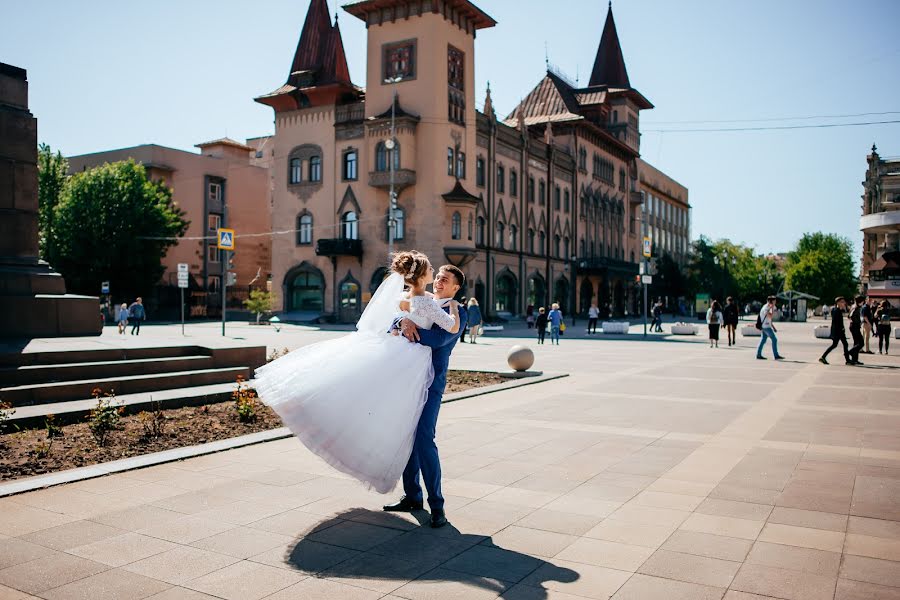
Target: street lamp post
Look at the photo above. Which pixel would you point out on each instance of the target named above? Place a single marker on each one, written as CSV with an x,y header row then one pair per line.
x,y
391,146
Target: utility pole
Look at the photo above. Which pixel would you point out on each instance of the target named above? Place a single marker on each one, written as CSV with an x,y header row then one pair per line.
x,y
645,254
391,146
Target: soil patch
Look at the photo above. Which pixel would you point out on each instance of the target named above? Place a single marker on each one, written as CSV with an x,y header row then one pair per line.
x,y
32,452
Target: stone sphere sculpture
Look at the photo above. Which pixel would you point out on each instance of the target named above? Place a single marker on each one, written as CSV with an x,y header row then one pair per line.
x,y
520,358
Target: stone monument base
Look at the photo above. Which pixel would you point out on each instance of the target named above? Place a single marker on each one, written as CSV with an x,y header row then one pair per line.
x,y
33,298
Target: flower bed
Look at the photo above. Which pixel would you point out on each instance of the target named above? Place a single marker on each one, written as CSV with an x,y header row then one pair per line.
x,y
55,448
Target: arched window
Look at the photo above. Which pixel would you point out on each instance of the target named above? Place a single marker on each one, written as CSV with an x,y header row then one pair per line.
x,y
479,232
471,227
542,241
383,155
513,237
399,223
350,226
531,241
501,179
536,290
296,171
304,229
304,290
557,249
556,198
513,183
530,192
350,165
506,293
566,248
542,189
456,226
500,231
566,203
315,168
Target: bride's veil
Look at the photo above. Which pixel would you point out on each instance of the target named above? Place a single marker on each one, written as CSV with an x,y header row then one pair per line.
x,y
383,306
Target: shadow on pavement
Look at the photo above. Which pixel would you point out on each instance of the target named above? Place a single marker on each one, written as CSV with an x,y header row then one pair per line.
x,y
416,553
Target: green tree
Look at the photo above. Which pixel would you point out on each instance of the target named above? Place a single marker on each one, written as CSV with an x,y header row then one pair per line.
x,y
113,223
822,265
260,302
670,280
722,268
52,174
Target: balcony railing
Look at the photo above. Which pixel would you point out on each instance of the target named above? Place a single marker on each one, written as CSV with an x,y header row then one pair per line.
x,y
600,263
339,247
402,178
349,113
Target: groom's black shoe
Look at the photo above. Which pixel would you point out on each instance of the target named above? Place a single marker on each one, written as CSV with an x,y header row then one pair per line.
x,y
405,505
438,519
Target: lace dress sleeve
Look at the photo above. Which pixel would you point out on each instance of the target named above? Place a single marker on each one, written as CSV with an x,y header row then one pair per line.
x,y
428,308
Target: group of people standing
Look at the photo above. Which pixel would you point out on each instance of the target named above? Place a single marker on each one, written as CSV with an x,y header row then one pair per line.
x,y
718,317
863,316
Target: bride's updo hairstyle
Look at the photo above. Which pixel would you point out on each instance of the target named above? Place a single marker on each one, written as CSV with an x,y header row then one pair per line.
x,y
411,265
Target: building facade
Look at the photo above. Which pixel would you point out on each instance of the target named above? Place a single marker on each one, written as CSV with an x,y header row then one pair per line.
x,y
541,206
880,225
219,187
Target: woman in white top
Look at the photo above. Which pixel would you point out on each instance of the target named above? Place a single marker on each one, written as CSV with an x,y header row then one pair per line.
x,y
356,400
593,316
714,319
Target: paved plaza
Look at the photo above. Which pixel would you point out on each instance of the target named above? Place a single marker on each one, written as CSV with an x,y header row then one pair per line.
x,y
655,470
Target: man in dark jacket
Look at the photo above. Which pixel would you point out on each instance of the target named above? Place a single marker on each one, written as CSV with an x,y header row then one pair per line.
x,y
856,329
837,330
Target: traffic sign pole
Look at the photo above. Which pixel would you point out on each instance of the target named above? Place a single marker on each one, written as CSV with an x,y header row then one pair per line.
x,y
183,276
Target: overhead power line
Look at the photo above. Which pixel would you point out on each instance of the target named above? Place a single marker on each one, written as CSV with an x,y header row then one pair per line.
x,y
771,119
771,128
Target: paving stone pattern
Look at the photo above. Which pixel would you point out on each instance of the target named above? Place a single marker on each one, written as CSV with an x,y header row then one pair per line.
x,y
657,470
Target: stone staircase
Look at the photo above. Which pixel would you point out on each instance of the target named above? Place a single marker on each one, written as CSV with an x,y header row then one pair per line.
x,y
62,382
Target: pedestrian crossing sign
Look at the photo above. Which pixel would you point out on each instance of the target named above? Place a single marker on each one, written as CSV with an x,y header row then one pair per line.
x,y
226,239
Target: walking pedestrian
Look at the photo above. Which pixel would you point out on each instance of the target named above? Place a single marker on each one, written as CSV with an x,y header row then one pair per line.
x,y
883,325
474,320
136,314
122,319
856,329
593,317
555,317
867,313
765,323
714,320
731,319
837,330
529,315
541,325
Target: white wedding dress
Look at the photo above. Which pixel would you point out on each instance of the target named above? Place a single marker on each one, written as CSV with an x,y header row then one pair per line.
x,y
355,401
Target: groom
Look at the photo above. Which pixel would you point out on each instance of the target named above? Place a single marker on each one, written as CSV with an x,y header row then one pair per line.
x,y
424,458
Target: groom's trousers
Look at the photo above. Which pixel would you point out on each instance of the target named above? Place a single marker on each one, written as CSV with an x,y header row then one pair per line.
x,y
425,457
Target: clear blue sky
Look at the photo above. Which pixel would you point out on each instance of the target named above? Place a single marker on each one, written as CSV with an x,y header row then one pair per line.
x,y
108,74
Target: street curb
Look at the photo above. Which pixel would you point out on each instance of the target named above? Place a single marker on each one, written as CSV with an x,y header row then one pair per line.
x,y
38,482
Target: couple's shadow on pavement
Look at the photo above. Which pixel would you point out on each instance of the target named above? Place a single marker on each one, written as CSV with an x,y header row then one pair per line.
x,y
396,550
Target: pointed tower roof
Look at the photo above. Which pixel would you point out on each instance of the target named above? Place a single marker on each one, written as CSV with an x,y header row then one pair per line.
x,y
609,66
319,61
321,48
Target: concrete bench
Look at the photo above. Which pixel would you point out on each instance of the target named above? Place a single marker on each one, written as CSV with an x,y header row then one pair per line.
x,y
615,326
823,332
750,331
684,329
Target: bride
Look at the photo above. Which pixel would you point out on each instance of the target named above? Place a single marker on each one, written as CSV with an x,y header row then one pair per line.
x,y
356,401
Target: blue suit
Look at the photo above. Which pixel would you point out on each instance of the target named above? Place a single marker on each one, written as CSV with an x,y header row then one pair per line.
x,y
424,455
